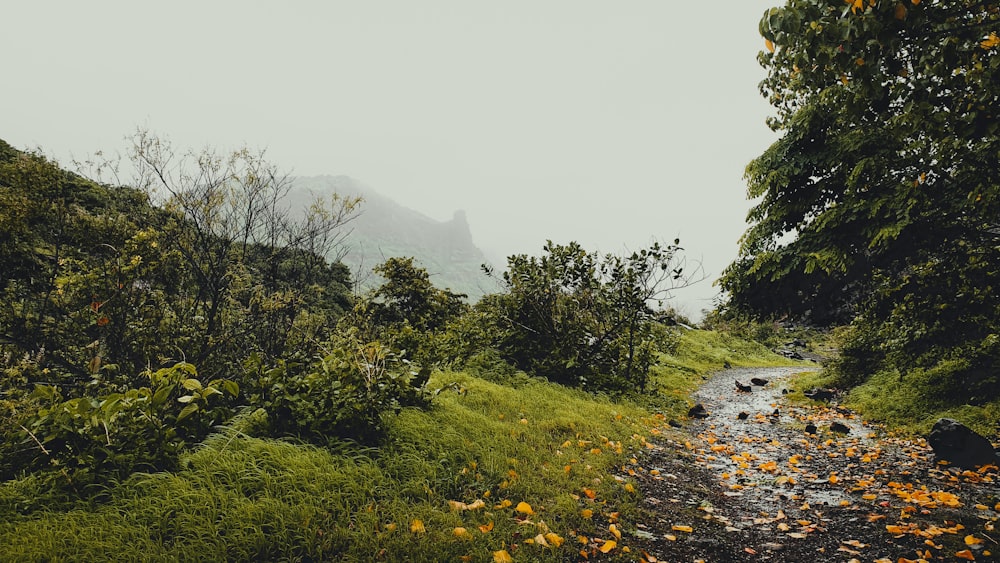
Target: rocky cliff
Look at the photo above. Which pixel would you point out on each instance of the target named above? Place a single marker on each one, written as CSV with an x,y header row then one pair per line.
x,y
385,229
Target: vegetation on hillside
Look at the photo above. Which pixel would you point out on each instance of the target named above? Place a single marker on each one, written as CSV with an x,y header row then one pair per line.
x,y
184,372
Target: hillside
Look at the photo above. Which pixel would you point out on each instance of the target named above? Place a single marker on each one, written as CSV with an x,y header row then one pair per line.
x,y
387,229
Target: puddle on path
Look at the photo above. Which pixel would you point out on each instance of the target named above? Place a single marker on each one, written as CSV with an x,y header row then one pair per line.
x,y
754,451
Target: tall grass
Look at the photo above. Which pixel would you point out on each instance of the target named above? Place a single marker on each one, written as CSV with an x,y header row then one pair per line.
x,y
448,483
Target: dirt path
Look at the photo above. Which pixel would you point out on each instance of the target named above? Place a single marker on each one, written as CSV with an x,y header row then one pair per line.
x,y
748,483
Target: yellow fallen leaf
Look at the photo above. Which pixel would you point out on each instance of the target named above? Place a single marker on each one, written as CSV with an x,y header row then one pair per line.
x,y
965,554
687,529
502,557
417,527
539,540
971,540
460,532
670,537
608,546
486,528
554,539
587,513
629,487
390,527
524,508
614,530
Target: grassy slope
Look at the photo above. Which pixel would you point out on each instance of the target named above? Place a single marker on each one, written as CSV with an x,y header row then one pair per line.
x,y
911,404
557,450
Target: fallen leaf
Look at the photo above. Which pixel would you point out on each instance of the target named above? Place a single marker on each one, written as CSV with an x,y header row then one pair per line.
x,y
965,554
524,508
417,527
608,546
554,539
687,529
502,556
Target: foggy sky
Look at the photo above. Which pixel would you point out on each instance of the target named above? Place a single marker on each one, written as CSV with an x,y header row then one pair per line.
x,y
608,123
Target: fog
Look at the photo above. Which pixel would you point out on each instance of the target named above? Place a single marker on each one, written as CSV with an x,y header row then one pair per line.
x,y
611,124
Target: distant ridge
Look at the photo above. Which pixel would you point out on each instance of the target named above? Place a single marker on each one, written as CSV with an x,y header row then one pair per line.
x,y
386,229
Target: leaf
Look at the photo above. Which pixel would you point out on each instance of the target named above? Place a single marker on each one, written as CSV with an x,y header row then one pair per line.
x,y
687,529
972,541
965,554
460,532
191,384
608,546
502,556
614,530
417,527
554,539
524,508
769,44
990,42
187,411
486,528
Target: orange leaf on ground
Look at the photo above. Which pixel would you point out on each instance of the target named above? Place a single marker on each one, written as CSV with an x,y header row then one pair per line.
x,y
965,554
502,557
524,508
608,546
687,529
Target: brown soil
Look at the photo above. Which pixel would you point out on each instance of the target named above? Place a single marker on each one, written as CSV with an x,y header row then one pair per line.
x,y
762,489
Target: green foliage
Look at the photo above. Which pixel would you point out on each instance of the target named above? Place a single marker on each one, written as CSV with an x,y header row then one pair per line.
x,y
345,394
241,498
582,319
879,203
409,313
84,442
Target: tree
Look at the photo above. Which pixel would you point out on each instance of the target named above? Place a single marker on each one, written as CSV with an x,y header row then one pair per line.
x,y
886,170
247,252
580,318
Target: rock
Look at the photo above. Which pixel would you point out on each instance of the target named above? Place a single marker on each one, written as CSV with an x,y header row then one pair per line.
x,y
727,365
698,411
743,415
818,394
743,388
759,382
958,444
674,423
790,354
811,428
840,428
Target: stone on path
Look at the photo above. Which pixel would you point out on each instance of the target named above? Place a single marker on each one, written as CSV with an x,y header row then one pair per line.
x,y
840,428
698,411
960,445
811,428
758,381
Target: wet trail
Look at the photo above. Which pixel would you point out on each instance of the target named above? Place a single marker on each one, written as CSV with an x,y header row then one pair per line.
x,y
754,485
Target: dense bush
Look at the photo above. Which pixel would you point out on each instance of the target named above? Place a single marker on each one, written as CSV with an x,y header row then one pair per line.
x,y
583,319
343,394
86,442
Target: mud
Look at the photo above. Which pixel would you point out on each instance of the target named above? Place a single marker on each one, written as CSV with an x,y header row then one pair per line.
x,y
760,488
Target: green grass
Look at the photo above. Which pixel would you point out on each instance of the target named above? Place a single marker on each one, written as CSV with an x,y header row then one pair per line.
x,y
480,444
911,404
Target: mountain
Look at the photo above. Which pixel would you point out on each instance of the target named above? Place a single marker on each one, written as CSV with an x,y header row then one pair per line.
x,y
385,229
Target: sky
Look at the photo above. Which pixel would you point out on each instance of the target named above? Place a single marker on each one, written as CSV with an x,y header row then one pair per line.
x,y
612,124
